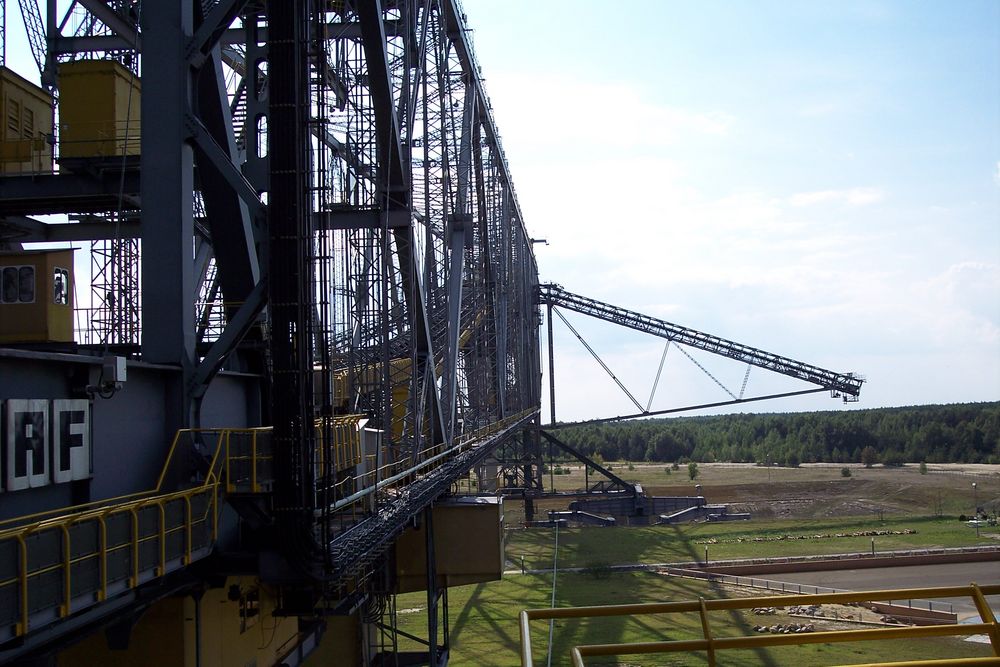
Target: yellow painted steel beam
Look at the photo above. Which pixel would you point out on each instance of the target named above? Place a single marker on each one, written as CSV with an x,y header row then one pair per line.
x,y
711,645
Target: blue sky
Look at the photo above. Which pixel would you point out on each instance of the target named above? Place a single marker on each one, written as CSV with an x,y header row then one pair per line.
x,y
821,180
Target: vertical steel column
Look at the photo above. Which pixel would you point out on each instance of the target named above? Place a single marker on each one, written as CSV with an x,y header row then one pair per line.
x,y
552,366
291,276
168,326
432,588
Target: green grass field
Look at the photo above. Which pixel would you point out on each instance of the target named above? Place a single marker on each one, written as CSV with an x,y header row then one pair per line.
x,y
484,627
808,502
582,547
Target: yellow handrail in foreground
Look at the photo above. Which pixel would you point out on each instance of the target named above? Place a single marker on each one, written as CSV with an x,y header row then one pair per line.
x,y
711,644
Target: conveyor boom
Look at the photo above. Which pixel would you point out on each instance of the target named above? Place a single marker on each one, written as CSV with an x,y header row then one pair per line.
x,y
847,385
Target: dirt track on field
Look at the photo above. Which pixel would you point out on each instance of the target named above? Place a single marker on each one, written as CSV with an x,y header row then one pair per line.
x,y
815,491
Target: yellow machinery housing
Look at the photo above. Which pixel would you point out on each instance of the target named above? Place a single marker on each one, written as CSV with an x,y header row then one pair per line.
x,y
367,379
99,104
237,628
27,126
472,527
36,296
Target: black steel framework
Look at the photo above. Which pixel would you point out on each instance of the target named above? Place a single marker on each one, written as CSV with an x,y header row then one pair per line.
x,y
324,202
846,385
321,202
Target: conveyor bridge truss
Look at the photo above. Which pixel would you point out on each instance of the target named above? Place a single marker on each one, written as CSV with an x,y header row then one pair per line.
x,y
846,385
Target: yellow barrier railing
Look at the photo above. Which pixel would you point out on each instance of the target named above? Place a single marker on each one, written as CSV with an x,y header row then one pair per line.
x,y
248,459
119,533
344,447
394,473
711,644
118,543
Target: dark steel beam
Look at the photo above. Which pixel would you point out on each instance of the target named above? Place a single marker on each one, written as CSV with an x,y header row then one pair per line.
x,y
236,329
393,172
290,285
232,205
117,42
29,230
208,34
590,463
689,408
168,325
42,194
120,25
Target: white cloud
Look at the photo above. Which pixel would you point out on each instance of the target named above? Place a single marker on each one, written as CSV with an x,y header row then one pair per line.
x,y
600,117
851,278
851,197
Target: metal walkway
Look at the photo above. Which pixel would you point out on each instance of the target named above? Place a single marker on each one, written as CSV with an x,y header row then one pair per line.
x,y
56,564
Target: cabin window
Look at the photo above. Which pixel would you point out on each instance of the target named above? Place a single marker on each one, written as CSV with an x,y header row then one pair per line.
x,y
18,284
60,287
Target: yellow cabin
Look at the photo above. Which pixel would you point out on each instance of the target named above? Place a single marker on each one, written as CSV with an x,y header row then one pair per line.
x,y
36,296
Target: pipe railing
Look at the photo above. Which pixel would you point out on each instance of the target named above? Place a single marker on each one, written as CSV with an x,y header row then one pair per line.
x,y
712,644
382,483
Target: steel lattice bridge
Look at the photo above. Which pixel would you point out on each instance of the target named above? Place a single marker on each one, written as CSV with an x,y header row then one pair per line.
x,y
846,385
307,251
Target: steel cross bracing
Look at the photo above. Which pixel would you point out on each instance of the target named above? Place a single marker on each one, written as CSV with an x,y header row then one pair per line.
x,y
846,384
407,266
420,312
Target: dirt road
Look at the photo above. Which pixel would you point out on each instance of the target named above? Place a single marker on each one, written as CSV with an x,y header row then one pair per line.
x,y
913,576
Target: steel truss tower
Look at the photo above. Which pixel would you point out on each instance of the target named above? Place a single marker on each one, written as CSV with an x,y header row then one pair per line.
x,y
315,193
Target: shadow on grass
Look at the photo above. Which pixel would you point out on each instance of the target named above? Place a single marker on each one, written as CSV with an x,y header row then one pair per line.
x,y
576,590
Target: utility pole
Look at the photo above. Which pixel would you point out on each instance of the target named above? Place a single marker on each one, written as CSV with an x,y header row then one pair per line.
x,y
975,506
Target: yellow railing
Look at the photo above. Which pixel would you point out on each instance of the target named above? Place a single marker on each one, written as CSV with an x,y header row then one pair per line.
x,y
6,524
248,459
115,541
71,558
115,544
345,444
400,472
710,644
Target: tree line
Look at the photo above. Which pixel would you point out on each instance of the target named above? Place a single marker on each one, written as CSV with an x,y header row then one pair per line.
x,y
957,433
